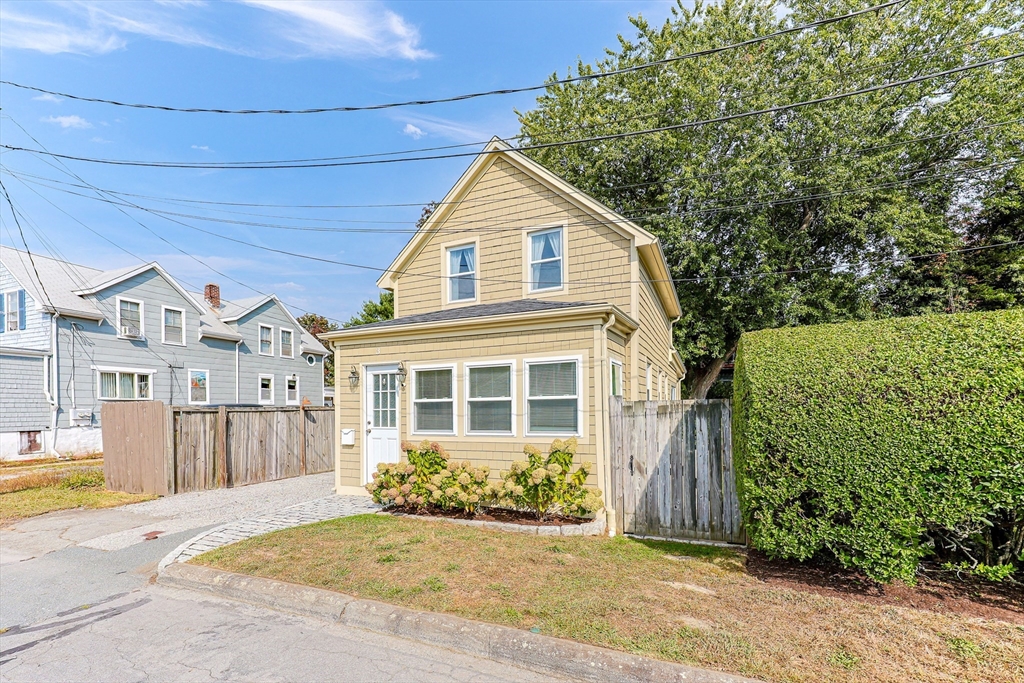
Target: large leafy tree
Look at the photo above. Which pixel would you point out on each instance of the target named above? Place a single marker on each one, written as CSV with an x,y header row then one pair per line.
x,y
374,311
805,215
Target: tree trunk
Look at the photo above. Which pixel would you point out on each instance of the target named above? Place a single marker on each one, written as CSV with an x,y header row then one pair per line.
x,y
708,375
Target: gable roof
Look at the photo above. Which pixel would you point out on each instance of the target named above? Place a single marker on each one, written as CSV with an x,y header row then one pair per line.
x,y
108,278
477,311
648,246
233,311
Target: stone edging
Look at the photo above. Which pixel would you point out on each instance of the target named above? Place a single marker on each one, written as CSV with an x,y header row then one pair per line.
x,y
592,528
525,649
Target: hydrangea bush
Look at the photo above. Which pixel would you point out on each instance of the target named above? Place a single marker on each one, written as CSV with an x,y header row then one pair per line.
x,y
543,484
547,484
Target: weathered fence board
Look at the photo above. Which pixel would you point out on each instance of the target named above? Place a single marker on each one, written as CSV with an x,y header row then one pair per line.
x,y
671,470
156,449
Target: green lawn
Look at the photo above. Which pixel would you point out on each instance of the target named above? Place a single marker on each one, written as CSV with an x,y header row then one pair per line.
x,y
679,602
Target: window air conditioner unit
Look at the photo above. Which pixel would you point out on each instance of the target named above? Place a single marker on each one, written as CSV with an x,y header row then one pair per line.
x,y
131,332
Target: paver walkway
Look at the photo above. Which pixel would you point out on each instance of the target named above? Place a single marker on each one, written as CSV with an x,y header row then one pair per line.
x,y
330,507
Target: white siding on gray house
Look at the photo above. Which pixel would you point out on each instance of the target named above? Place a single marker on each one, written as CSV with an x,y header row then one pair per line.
x,y
252,364
36,334
21,385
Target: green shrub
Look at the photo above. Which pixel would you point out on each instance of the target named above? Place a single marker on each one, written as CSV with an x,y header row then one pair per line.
x,y
431,478
883,442
547,485
83,479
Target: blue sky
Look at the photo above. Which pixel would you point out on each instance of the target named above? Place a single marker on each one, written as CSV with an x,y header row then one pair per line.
x,y
269,54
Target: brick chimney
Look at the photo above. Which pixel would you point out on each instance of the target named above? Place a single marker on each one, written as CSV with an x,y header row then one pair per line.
x,y
212,295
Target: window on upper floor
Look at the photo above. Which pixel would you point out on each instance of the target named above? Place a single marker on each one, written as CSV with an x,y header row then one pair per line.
x,y
124,385
462,273
12,311
129,319
266,340
287,350
174,326
546,260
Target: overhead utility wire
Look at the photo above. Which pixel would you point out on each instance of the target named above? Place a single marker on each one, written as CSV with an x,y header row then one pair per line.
x,y
488,198
546,145
470,96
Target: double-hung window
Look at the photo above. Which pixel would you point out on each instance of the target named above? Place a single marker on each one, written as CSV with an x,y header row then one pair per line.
x,y
546,270
124,385
12,311
129,318
434,401
552,403
266,340
489,399
174,326
198,387
287,350
266,390
291,390
462,273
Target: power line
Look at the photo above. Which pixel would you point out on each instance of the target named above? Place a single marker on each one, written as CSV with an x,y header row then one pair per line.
x,y
475,95
489,197
546,145
14,213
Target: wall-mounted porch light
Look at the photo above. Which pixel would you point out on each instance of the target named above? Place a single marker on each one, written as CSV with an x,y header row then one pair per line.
x,y
402,373
353,377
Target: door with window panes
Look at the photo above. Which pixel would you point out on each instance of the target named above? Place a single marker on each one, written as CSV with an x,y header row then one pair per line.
x,y
382,394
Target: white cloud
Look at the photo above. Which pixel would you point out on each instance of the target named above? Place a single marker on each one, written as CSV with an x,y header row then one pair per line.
x,y
100,141
413,132
296,29
47,97
203,148
72,121
446,128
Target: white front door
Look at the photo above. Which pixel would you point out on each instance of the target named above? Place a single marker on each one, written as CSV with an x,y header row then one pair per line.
x,y
382,389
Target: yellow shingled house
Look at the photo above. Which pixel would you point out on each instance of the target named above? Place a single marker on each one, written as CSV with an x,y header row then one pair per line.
x,y
521,305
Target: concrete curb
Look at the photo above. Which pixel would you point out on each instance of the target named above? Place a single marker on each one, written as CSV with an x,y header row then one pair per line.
x,y
524,649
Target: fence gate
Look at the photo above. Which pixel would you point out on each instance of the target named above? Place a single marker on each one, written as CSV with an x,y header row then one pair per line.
x,y
672,472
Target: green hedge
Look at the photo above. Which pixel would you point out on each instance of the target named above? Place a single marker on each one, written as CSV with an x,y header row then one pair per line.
x,y
883,442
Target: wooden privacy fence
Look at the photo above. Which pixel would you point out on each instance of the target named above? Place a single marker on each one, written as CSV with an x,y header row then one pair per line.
x,y
152,448
672,473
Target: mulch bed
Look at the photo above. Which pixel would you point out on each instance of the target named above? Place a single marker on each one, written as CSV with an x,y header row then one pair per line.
x,y
490,515
936,590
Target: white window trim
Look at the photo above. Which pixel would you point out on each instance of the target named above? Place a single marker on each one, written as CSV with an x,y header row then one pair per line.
x,y
259,391
198,403
163,325
99,369
528,288
259,340
298,390
511,364
650,380
446,270
611,384
413,401
280,342
17,311
142,316
579,396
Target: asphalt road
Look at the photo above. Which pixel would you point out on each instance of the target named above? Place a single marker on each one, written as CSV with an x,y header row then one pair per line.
x,y
78,602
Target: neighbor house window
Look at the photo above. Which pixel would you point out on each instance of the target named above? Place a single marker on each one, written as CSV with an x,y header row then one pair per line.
x,y
552,398
462,273
124,385
129,318
12,311
30,442
489,399
198,387
266,388
266,340
286,344
434,401
616,378
546,260
291,390
174,326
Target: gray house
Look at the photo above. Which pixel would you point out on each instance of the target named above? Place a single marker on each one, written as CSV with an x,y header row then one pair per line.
x,y
73,337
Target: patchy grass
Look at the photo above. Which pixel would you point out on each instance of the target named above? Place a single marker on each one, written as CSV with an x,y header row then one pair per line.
x,y
678,602
39,492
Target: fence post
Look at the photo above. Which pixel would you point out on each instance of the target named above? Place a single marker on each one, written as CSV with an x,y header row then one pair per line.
x,y
302,440
222,447
170,466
